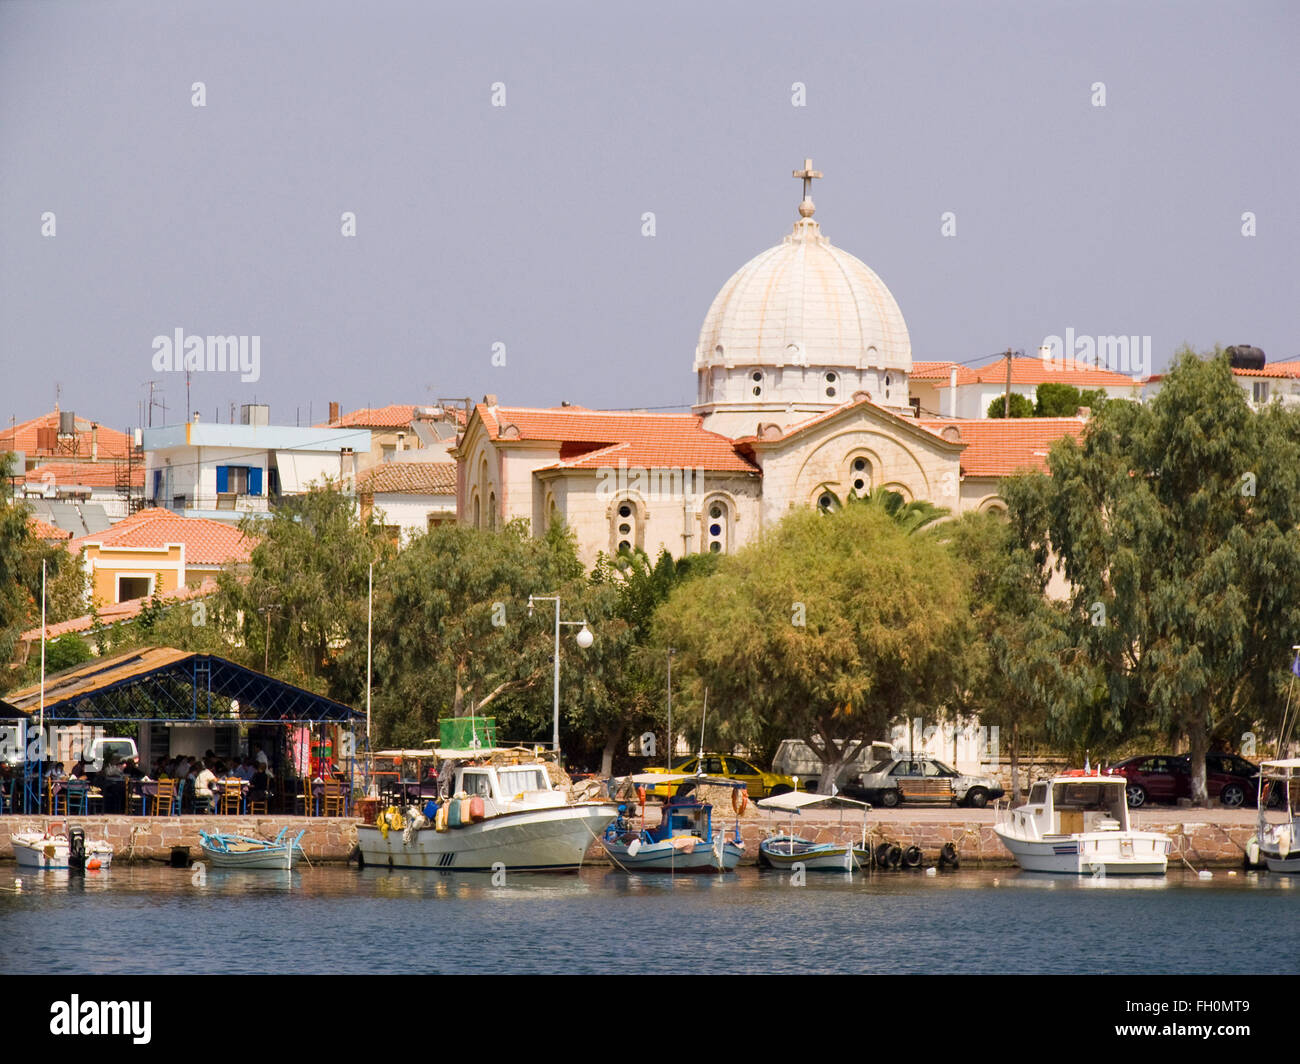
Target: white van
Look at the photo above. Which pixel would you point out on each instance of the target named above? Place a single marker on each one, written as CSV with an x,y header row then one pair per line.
x,y
794,757
121,749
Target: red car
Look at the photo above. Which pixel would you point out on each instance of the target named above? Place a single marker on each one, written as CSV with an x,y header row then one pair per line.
x,y
1233,780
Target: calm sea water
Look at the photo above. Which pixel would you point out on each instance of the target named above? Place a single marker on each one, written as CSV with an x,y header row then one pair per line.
x,y
150,918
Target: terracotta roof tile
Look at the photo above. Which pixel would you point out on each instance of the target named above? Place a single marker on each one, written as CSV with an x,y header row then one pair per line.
x,y
102,474
206,542
107,443
408,478
46,531
930,371
118,611
599,438
998,447
1036,371
393,416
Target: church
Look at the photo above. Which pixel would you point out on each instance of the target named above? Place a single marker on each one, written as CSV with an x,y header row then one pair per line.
x,y
803,375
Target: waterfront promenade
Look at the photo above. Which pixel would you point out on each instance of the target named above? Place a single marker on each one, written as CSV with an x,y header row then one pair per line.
x,y
1207,838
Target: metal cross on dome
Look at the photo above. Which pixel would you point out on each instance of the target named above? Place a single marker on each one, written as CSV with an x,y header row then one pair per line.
x,y
807,174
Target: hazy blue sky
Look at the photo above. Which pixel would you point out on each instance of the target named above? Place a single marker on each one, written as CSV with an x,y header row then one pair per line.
x,y
522,224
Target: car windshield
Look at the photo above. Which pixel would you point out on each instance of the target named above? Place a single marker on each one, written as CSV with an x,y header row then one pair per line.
x,y
939,769
880,766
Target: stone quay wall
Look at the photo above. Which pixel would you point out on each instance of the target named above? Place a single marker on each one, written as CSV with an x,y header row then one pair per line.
x,y
1215,839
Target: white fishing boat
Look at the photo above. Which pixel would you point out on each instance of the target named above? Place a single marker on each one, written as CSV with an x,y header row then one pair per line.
x,y
1077,823
52,849
497,811
685,839
786,849
1277,843
228,850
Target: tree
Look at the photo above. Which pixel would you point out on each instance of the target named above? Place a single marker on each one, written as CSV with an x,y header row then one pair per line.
x,y
1175,525
1056,399
824,630
1020,406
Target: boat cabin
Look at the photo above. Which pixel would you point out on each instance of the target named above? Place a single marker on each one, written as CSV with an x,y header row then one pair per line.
x,y
1070,805
507,788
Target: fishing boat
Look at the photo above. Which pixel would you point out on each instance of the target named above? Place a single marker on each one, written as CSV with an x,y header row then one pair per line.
x,y
1277,843
496,810
684,840
53,849
228,850
1077,823
786,849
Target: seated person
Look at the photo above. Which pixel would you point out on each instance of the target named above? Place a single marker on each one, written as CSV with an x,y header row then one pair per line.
x,y
259,785
203,781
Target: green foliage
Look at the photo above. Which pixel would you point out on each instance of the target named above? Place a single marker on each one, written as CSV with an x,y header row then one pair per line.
x,y
911,517
1175,525
825,630
1020,406
65,652
1064,400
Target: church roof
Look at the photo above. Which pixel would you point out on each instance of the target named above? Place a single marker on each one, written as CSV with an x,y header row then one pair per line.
x,y
804,302
998,447
591,439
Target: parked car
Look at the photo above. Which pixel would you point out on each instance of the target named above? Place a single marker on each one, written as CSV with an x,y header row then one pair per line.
x,y
1230,779
758,783
795,758
879,784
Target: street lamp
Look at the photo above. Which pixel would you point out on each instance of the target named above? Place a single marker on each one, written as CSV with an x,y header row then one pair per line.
x,y
584,639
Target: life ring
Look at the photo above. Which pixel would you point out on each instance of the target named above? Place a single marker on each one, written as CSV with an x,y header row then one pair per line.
x,y
739,801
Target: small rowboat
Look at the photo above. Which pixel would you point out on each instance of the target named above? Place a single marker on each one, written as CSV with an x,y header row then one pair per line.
x,y
786,850
241,851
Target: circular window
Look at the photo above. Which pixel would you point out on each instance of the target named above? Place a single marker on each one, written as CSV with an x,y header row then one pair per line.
x,y
624,529
758,377
830,393
625,510
715,530
624,545
830,378
859,464
715,547
715,511
859,484
758,391
826,501
718,349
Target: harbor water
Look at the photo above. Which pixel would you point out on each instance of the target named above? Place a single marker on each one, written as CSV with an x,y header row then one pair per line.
x,y
148,918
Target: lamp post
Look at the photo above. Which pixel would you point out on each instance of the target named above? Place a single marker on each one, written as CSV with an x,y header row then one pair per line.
x,y
584,639
668,761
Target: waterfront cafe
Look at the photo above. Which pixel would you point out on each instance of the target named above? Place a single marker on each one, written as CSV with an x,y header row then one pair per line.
x,y
172,703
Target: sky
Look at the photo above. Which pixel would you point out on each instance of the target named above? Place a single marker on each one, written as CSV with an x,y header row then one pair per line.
x,y
1010,170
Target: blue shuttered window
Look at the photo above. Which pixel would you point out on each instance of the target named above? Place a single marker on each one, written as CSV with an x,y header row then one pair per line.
x,y
254,480
223,478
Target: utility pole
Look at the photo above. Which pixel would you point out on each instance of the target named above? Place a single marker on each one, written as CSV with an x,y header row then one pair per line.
x,y
1006,398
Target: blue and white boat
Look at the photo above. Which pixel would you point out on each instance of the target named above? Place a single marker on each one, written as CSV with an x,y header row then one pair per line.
x,y
684,840
786,849
228,850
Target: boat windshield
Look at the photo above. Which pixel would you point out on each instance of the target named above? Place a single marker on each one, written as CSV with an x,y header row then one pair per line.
x,y
1090,797
1038,794
517,779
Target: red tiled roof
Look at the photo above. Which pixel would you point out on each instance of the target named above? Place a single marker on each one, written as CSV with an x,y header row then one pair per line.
x,y
90,474
393,416
118,611
46,531
597,438
1036,371
999,447
206,542
109,443
408,478
930,371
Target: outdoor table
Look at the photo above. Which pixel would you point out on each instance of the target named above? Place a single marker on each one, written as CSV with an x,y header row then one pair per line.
x,y
73,789
219,786
318,795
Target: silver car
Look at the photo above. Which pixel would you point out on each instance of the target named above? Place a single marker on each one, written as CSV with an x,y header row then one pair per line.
x,y
879,784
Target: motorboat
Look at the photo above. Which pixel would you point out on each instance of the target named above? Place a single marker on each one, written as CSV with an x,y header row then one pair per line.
x,y
1277,843
685,839
228,850
1077,823
786,849
497,810
60,849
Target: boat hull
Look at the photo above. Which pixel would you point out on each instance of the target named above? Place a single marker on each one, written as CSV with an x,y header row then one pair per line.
x,y
277,859
1111,853
550,839
785,852
675,859
38,852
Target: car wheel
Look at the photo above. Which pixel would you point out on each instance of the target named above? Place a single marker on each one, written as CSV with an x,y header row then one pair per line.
x,y
1233,796
977,797
889,798
1137,795
780,788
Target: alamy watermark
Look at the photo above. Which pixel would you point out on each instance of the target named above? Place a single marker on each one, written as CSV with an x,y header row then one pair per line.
x,y
651,484
209,354
1129,355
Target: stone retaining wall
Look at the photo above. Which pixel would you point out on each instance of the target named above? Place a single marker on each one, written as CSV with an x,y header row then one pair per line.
x,y
1204,843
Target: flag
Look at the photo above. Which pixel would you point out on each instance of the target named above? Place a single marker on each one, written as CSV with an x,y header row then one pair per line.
x,y
1295,665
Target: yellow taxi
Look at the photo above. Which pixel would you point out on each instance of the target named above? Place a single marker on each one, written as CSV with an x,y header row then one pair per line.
x,y
758,783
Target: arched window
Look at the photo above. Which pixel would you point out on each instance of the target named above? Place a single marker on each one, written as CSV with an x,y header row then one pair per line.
x,y
492,511
831,379
717,525
478,515
827,501
626,526
756,383
859,475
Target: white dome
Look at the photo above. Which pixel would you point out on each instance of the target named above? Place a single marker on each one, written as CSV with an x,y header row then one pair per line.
x,y
805,303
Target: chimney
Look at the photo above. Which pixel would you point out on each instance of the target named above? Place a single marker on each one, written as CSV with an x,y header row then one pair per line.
x,y
94,442
489,400
1083,413
196,417
952,389
401,442
334,412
